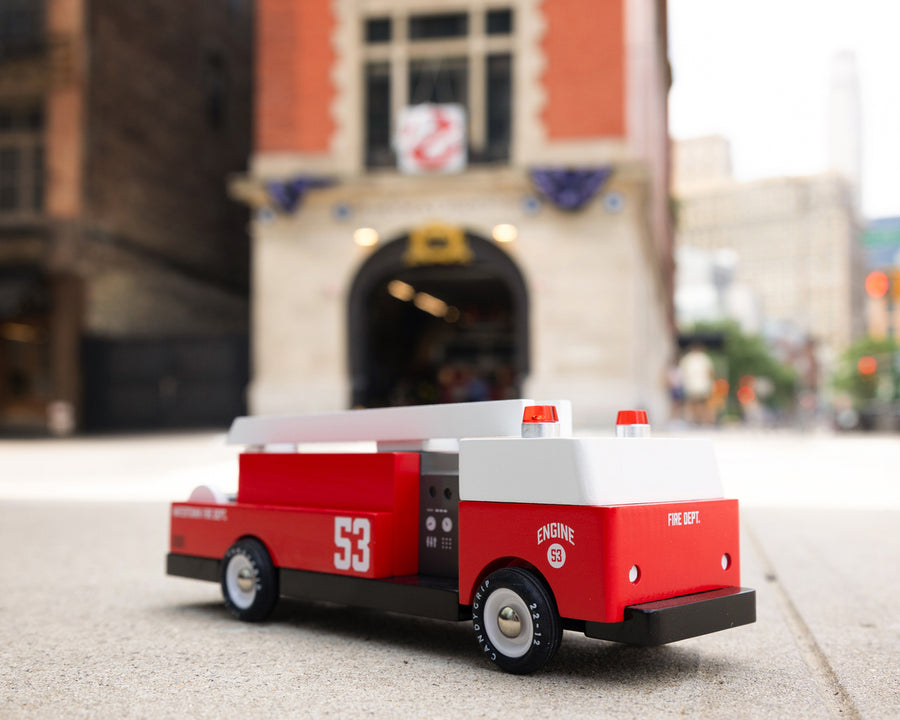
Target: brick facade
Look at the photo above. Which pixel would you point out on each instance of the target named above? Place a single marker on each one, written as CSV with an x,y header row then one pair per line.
x,y
588,90
168,119
144,112
294,89
584,46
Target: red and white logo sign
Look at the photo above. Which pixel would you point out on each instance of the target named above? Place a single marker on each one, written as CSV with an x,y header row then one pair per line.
x,y
556,553
431,139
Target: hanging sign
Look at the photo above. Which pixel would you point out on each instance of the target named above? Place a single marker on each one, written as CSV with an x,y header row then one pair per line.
x,y
431,138
438,244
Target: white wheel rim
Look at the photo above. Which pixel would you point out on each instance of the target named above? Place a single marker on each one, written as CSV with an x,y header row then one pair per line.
x,y
239,570
495,604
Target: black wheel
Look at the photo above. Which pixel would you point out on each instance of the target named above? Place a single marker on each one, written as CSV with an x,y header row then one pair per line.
x,y
249,580
515,621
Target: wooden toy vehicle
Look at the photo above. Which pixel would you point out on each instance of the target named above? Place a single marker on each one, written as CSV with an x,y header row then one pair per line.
x,y
489,512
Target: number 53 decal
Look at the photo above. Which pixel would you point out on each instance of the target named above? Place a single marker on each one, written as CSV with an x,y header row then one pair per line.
x,y
351,538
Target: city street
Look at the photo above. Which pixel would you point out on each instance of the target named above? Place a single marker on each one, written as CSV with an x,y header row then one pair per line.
x,y
91,627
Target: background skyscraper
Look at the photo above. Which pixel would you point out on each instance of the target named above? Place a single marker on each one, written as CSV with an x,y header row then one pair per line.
x,y
844,125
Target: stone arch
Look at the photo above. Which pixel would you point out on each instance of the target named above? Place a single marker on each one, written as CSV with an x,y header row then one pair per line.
x,y
403,350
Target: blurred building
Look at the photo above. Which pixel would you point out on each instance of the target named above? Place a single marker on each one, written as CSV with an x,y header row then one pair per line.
x,y
797,240
707,291
123,264
460,200
845,122
700,163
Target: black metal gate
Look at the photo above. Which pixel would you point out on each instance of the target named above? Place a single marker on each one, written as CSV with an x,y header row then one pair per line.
x,y
135,384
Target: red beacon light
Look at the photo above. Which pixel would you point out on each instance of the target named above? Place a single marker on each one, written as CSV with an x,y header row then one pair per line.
x,y
632,423
540,421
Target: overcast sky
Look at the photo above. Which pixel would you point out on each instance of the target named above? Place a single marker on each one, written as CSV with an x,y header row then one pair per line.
x,y
758,72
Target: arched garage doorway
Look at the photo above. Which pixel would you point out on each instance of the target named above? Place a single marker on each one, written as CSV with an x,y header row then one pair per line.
x,y
440,315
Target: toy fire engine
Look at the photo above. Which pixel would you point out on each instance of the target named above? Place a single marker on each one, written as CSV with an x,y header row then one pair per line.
x,y
490,512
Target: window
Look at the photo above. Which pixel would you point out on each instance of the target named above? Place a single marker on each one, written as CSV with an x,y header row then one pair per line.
x,y
9,174
378,115
431,58
237,8
499,104
499,22
216,90
21,160
439,80
430,27
21,27
378,30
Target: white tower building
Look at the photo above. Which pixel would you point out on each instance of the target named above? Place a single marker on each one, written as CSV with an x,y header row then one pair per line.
x,y
844,126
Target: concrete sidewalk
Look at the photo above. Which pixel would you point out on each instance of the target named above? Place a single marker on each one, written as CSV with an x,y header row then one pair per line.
x,y
90,626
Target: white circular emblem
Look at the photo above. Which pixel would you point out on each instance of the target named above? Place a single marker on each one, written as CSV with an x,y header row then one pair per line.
x,y
556,555
447,524
430,523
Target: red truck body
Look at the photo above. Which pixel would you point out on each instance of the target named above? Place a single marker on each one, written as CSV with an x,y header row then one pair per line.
x,y
303,503
391,529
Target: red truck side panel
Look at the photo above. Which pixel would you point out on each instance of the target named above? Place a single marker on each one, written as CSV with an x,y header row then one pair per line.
x,y
586,554
497,531
676,548
363,482
330,541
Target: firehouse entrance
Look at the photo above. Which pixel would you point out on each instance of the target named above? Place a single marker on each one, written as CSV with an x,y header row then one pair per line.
x,y
440,315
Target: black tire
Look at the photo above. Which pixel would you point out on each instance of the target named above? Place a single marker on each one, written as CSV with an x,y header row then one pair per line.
x,y
249,581
515,620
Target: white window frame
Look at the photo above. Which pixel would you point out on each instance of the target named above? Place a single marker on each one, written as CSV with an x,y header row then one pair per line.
x,y
27,142
476,47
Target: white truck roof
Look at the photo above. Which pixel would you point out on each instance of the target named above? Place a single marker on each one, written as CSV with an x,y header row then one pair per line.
x,y
416,424
587,471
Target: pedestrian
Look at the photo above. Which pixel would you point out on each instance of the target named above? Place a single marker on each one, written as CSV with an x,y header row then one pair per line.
x,y
675,383
698,375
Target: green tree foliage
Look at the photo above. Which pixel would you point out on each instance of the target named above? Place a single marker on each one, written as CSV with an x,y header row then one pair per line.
x,y
861,387
745,355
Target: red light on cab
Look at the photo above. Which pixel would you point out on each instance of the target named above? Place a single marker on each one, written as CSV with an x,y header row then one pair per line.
x,y
632,417
540,414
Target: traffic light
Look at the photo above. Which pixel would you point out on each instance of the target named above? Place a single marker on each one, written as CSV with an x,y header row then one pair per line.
x,y
877,284
883,291
867,365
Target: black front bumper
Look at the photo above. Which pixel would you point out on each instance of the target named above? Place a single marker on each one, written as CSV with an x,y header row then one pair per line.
x,y
678,618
